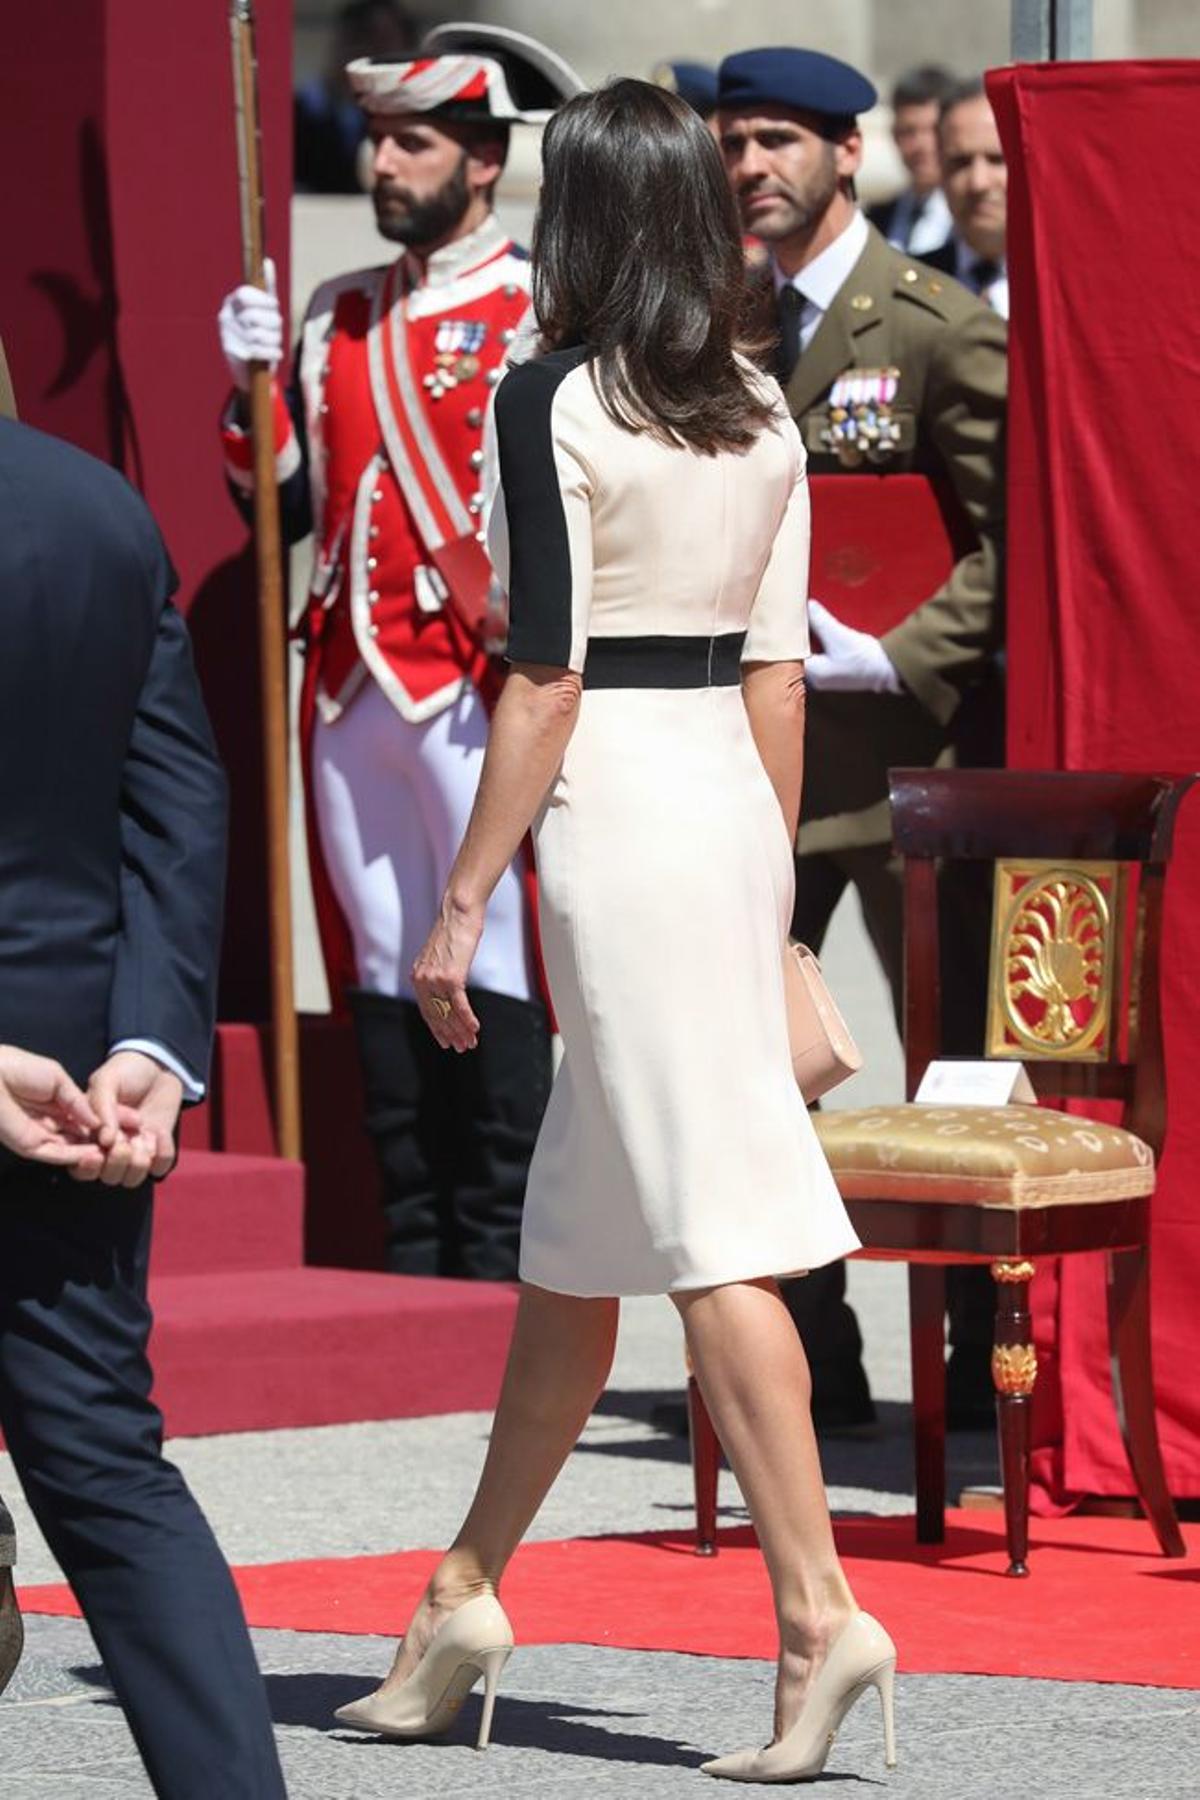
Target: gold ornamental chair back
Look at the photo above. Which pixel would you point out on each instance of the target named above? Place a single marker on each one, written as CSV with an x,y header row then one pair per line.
x,y
1080,864
1078,871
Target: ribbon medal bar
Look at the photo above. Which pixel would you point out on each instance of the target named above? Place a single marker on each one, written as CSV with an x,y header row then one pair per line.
x,y
861,426
456,357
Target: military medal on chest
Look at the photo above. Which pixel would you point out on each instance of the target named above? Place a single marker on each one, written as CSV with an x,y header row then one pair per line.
x,y
456,355
862,427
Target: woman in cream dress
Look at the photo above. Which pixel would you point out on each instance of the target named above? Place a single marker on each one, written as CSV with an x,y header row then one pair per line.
x,y
676,1151
652,531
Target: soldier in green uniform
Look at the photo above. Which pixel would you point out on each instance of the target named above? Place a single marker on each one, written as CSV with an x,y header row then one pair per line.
x,y
864,330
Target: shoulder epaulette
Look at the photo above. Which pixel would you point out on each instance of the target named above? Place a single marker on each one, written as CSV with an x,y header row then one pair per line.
x,y
935,292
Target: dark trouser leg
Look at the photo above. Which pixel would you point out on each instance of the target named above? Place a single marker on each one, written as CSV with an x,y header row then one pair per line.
x,y
820,883
970,1396
500,1093
841,1397
878,878
817,1302
12,1635
408,1085
87,1443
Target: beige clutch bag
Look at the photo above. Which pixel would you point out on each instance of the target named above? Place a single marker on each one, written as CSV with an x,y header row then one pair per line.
x,y
823,1052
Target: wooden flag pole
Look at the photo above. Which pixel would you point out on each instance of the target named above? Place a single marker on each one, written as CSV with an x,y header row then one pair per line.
x,y
271,616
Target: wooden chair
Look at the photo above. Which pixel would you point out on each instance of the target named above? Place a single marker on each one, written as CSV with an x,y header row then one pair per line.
x,y
1080,863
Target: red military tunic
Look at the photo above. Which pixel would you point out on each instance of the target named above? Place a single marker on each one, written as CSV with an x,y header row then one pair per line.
x,y
395,368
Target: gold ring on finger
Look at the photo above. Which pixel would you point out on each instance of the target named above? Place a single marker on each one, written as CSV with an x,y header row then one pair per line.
x,y
440,1006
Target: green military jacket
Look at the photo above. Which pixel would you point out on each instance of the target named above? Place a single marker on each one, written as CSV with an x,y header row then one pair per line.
x,y
950,350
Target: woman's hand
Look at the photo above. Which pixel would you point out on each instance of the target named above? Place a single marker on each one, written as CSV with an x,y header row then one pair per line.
x,y
440,975
531,727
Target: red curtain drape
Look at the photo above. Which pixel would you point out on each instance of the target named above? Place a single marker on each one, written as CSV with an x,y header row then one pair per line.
x,y
1104,618
121,233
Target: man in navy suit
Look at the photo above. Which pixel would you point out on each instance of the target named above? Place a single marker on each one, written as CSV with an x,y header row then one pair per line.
x,y
975,183
112,859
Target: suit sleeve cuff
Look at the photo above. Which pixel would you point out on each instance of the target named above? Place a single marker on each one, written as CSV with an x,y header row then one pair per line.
x,y
193,1089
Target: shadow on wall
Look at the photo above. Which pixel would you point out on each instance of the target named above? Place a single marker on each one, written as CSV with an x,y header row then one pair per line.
x,y
224,632
88,321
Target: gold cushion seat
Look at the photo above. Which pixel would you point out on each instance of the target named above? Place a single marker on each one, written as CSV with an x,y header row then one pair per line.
x,y
998,1156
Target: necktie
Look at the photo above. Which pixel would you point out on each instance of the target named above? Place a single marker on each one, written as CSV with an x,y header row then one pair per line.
x,y
986,271
791,312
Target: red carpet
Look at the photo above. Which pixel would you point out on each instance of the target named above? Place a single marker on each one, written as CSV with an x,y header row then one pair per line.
x,y
249,1338
1099,1606
256,1349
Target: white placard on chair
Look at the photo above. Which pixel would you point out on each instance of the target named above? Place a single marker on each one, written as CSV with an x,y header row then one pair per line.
x,y
955,1083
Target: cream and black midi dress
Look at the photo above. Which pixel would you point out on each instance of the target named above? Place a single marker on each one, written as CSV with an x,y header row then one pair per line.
x,y
676,1151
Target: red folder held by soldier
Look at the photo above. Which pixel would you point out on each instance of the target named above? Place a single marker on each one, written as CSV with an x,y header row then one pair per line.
x,y
882,544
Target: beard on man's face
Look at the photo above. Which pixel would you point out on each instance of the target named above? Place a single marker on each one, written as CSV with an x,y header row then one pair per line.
x,y
402,218
799,205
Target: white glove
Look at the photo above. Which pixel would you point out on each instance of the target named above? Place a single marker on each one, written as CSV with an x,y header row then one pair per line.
x,y
251,328
852,662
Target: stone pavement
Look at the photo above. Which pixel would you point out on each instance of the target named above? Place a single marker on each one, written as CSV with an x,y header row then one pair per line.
x,y
616,1722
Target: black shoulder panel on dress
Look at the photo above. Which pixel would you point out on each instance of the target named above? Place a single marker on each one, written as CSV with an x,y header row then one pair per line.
x,y
539,585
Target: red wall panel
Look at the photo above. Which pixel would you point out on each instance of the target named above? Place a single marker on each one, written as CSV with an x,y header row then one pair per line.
x,y
1104,639
121,235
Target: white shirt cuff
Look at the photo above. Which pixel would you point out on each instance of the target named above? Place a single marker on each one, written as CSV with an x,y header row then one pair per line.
x,y
193,1090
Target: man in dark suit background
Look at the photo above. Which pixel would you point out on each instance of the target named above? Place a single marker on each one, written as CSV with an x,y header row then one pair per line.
x,y
917,219
975,182
112,856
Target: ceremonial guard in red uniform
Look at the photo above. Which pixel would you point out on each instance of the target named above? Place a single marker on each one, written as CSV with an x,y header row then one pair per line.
x,y
380,451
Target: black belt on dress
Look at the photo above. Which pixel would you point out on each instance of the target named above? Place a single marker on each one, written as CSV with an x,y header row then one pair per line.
x,y
664,662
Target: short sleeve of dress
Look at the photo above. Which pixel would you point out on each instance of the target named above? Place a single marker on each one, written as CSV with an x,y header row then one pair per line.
x,y
778,629
540,530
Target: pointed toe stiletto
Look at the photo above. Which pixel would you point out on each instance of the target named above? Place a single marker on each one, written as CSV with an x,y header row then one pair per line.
x,y
861,1656
475,1640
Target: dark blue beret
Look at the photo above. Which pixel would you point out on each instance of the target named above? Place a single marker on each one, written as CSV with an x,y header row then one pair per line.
x,y
692,81
803,79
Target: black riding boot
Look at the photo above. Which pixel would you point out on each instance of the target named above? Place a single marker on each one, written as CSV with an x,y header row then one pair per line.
x,y
500,1094
407,1080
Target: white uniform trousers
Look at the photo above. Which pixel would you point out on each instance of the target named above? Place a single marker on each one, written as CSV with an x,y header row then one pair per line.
x,y
392,803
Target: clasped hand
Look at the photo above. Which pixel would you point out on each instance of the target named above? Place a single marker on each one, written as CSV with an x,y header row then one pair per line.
x,y
120,1132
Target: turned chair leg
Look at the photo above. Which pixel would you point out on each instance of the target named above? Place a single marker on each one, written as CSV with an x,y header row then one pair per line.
x,y
1014,1372
706,1464
927,1346
1133,1390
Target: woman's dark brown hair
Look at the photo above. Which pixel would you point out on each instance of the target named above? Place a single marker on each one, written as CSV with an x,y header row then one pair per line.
x,y
637,253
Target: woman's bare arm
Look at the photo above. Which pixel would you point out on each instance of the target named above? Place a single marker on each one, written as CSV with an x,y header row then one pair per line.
x,y
774,697
530,730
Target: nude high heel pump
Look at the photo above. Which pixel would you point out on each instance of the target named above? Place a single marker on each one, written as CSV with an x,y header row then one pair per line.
x,y
861,1656
475,1640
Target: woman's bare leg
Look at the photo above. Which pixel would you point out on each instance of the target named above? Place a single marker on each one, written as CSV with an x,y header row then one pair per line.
x,y
558,1363
754,1376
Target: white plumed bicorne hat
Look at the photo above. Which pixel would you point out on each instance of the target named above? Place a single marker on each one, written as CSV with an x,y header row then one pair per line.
x,y
471,73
